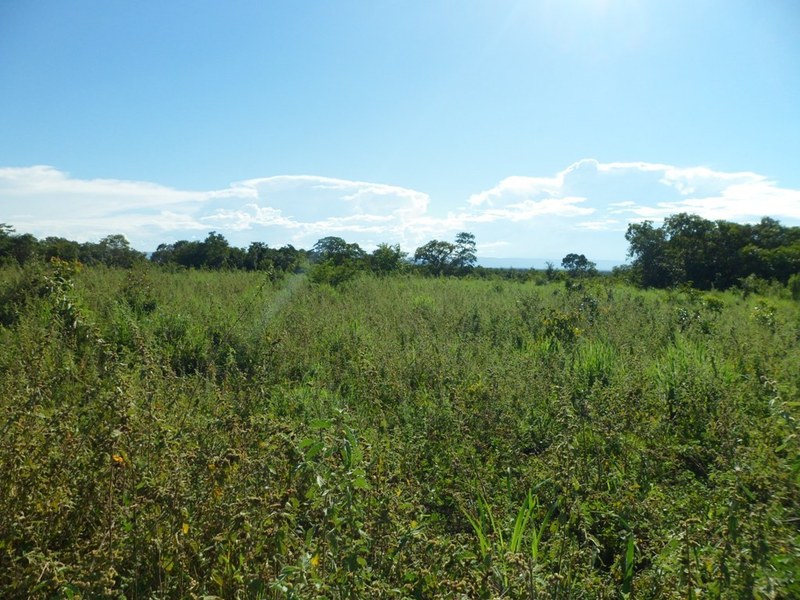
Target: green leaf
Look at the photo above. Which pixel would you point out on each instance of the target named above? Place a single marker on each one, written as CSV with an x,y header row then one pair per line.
x,y
315,449
627,580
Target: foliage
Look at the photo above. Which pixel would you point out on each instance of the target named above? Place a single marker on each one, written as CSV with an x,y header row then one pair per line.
x,y
445,258
387,258
577,265
706,254
200,446
794,286
465,252
112,250
173,433
336,260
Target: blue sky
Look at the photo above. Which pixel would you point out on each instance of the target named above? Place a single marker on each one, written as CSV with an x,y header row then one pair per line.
x,y
544,127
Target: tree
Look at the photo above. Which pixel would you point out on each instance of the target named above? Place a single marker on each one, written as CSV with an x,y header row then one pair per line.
x,y
164,254
577,265
258,257
436,256
116,251
465,257
286,258
24,247
648,248
215,251
19,248
444,258
188,254
336,260
387,259
337,251
690,249
5,239
58,247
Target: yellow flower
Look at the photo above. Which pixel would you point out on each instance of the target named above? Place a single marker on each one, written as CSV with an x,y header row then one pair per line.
x,y
315,560
185,528
118,458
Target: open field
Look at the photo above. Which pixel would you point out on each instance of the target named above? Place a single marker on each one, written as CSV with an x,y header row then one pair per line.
x,y
190,434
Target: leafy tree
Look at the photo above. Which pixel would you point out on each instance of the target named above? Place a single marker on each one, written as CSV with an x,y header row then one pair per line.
x,y
336,260
214,251
58,247
387,259
648,248
436,256
690,249
769,234
237,257
116,251
19,248
258,257
465,255
287,258
731,263
337,251
5,239
445,258
577,265
24,247
550,272
189,253
164,254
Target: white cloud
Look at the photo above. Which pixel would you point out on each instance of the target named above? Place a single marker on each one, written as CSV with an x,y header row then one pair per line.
x,y
731,196
582,208
45,201
601,225
39,182
519,187
526,210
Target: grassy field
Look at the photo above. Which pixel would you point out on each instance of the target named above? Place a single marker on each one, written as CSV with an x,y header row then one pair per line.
x,y
196,434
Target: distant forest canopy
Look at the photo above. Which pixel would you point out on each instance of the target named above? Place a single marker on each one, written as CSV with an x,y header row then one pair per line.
x,y
685,250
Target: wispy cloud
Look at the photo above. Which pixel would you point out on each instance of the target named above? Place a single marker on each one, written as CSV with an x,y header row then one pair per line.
x,y
584,207
601,225
733,196
46,201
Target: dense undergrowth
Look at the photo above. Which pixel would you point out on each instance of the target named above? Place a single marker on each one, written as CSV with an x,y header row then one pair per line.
x,y
190,434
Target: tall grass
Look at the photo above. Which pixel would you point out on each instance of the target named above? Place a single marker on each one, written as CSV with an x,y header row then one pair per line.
x,y
196,434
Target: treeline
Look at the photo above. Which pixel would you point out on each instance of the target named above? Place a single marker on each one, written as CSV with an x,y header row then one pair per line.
x,y
332,259
216,253
690,250
112,250
685,250
335,260
115,251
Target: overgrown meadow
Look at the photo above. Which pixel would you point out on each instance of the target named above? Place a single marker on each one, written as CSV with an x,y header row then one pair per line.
x,y
235,435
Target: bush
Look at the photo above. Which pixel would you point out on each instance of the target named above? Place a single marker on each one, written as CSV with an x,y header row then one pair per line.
x,y
794,286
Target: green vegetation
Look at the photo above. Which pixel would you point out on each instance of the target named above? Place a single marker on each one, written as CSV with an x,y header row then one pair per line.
x,y
577,265
711,254
175,433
